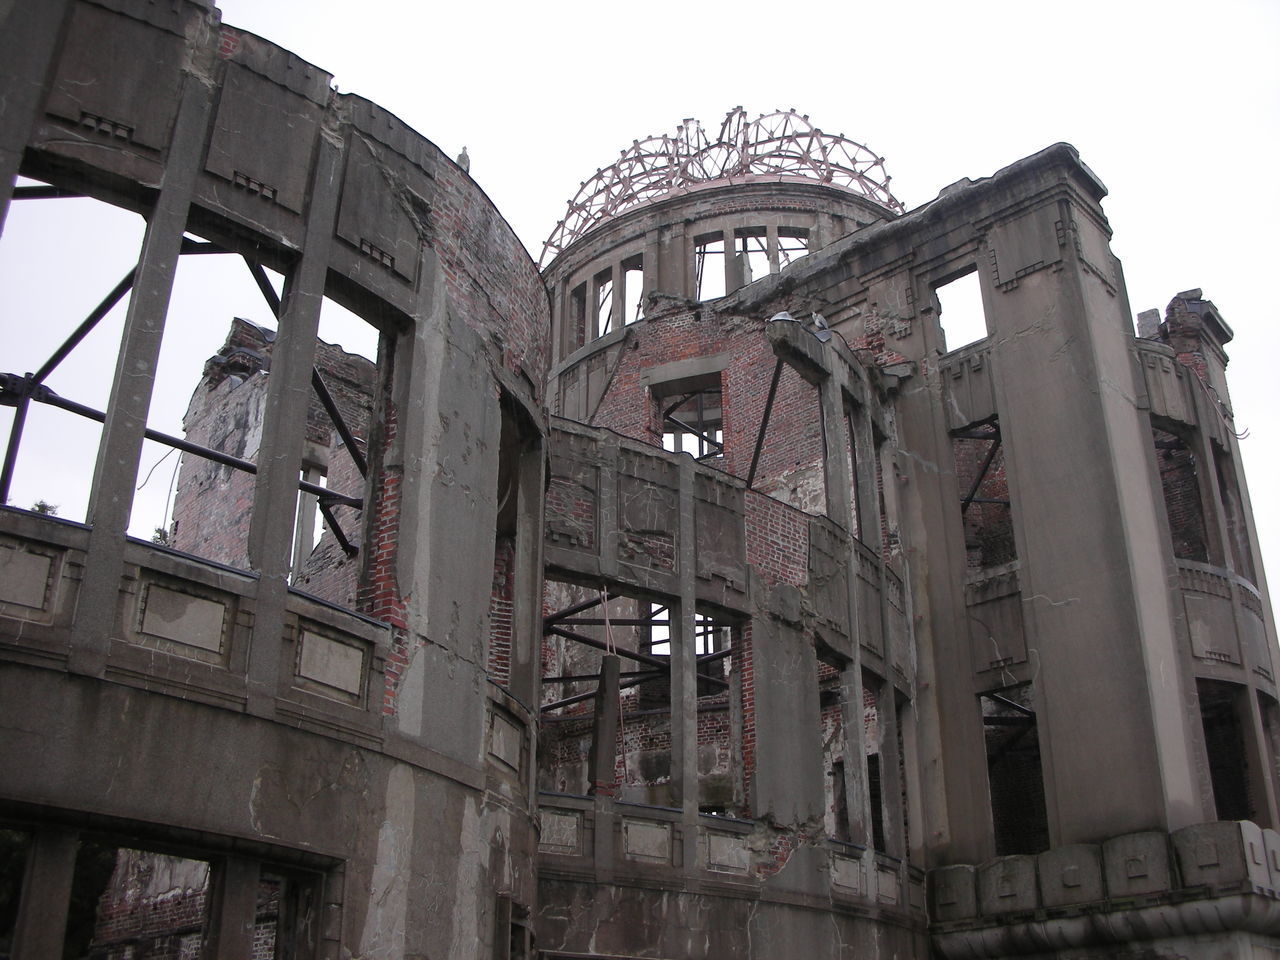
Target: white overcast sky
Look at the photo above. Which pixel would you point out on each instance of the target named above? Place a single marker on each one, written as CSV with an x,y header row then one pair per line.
x,y
1176,106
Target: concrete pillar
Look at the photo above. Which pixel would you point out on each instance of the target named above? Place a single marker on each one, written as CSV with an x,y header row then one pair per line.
x,y
618,306
788,787
527,611
1090,541
602,763
835,439
289,393
46,895
29,34
890,777
233,910
684,675
732,274
120,447
857,798
1262,784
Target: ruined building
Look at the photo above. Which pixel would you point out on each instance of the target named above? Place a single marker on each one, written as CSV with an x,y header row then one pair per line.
x,y
688,596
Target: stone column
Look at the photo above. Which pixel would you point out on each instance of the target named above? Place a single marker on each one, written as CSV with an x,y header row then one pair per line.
x,y
284,426
120,448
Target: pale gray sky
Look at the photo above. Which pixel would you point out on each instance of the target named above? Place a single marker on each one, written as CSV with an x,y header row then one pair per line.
x,y
1176,106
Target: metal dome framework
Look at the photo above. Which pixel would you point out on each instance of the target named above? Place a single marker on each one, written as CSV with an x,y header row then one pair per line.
x,y
782,144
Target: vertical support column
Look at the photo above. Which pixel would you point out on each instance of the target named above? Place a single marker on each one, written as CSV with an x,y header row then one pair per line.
x,y
835,444
559,323
618,306
46,895
865,456
234,909
1215,528
771,244
120,448
857,797
890,776
527,612
732,275
649,263
684,674
602,763
330,945
29,35
284,429
1262,786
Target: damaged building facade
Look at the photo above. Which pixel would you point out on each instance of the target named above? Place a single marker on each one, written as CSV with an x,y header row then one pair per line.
x,y
687,595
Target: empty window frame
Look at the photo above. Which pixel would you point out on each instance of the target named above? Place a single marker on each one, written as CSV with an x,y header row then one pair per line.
x,y
633,289
1224,715
872,738
751,254
1179,470
830,675
692,419
984,494
576,325
602,303
708,266
574,738
960,311
1015,777
719,731
793,243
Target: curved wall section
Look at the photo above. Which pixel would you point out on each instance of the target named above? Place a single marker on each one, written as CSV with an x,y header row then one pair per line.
x,y
306,754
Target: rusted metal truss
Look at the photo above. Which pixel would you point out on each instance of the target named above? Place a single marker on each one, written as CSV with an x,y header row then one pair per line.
x,y
782,145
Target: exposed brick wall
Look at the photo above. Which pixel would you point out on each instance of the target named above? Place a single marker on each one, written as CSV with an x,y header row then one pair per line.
x,y
777,540
138,917
988,526
492,284
1179,481
214,503
791,459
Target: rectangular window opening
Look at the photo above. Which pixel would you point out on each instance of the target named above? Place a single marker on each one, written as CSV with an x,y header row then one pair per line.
x,y
960,311
14,850
86,248
691,418
633,288
872,732
708,266
1184,507
830,675
984,495
577,325
634,762
1221,706
793,243
751,253
1014,773
127,902
719,750
602,302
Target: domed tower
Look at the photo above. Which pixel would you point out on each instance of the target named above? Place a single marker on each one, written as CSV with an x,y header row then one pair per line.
x,y
718,751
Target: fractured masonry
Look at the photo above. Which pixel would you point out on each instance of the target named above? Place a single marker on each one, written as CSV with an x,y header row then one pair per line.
x,y
213,503
874,683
